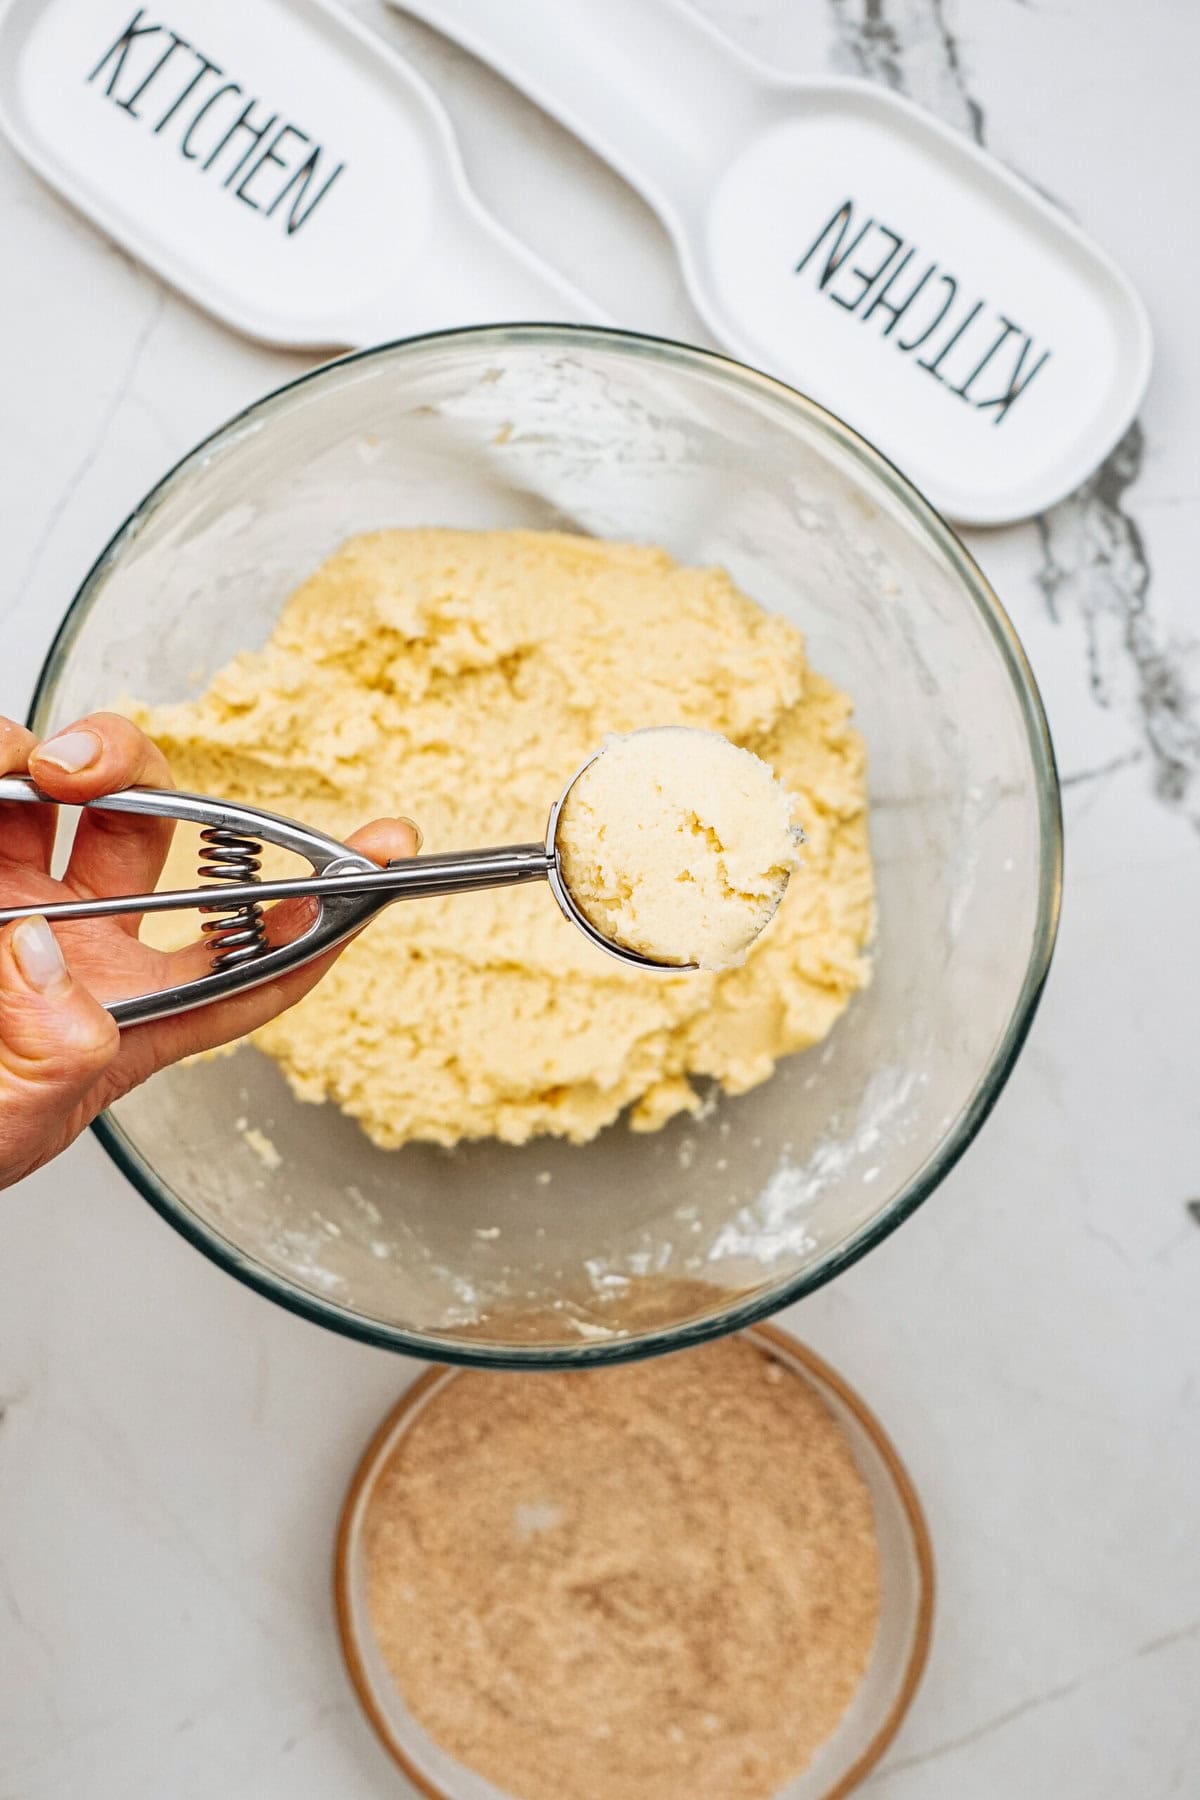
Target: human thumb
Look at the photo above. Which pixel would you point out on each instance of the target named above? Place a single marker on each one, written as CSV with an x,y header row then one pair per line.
x,y
55,1040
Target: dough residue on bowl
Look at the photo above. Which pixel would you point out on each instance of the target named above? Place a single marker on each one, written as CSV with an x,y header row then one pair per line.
x,y
460,677
678,844
660,1580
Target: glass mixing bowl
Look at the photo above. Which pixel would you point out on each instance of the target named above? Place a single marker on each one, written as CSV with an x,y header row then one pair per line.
x,y
632,1244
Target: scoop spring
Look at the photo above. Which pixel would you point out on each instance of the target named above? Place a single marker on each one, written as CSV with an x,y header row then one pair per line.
x,y
236,932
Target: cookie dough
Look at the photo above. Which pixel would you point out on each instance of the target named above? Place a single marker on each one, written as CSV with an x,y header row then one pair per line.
x,y
676,844
460,678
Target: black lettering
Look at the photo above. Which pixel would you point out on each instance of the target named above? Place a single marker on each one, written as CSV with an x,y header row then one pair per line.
x,y
837,255
1016,387
949,282
880,300
875,283
270,155
869,277
175,44
256,133
227,87
302,176
1006,330
206,68
251,142
946,348
121,50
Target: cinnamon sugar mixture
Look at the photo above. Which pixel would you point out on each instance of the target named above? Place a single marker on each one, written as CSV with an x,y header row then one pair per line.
x,y
658,1581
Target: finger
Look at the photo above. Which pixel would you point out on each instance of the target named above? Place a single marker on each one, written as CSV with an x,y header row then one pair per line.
x,y
26,832
387,840
113,853
56,1041
166,1040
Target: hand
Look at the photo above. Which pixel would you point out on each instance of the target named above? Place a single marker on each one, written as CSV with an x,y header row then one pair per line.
x,y
62,1058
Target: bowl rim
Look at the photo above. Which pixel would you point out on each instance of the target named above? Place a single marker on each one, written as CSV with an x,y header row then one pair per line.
x,y
778,1343
988,1084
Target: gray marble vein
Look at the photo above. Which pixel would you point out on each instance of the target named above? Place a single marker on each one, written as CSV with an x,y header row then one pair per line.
x,y
99,437
910,46
1099,771
1095,566
1064,1691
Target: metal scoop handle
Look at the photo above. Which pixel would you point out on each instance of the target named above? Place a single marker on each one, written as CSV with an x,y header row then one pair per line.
x,y
349,888
462,873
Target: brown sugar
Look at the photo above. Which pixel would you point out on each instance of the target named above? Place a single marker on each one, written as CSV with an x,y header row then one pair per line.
x,y
660,1580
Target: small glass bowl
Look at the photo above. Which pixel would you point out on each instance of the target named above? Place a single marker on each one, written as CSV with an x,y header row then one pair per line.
x,y
897,1659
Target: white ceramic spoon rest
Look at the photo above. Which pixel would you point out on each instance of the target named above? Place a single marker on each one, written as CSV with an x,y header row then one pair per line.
x,y
839,237
273,161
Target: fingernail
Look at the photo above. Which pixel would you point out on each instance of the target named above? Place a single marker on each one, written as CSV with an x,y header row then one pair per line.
x,y
38,956
73,751
413,827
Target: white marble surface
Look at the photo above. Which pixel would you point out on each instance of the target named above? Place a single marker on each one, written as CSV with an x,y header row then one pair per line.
x,y
172,1448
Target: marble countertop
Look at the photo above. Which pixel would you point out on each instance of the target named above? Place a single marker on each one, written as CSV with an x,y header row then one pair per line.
x,y
173,1449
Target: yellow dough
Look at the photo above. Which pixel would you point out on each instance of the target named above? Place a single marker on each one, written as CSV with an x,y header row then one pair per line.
x,y
460,678
677,844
